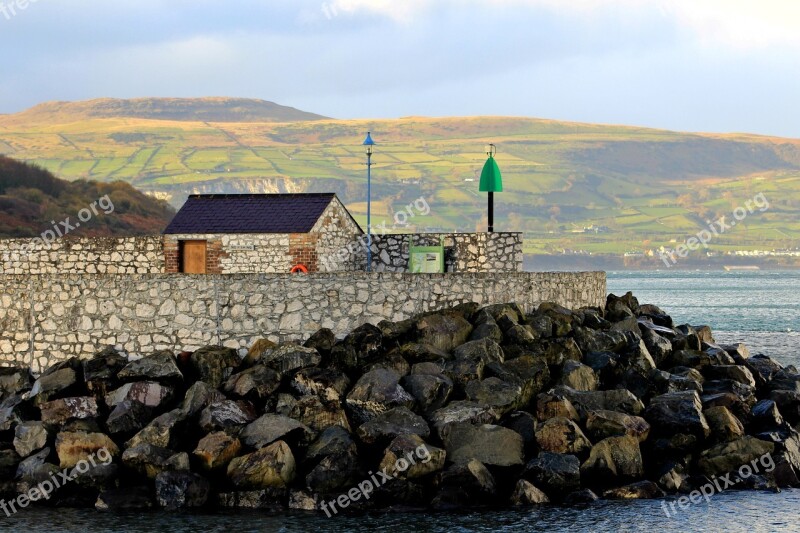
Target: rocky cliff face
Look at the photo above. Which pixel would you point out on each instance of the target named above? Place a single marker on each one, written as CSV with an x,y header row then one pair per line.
x,y
465,407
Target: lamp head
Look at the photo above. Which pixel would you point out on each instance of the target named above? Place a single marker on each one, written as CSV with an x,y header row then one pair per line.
x,y
369,143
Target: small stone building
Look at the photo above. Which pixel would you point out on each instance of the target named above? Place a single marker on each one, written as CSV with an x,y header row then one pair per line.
x,y
257,233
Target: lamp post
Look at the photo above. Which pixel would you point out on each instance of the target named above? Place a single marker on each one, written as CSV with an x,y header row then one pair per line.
x,y
369,144
491,181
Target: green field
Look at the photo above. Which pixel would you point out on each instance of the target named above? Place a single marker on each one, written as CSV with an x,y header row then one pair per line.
x,y
645,188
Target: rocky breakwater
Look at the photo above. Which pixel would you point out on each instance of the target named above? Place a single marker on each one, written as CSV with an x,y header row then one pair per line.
x,y
459,408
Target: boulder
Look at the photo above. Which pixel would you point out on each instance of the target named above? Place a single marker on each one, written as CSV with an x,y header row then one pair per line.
x,y
442,331
561,435
602,424
525,493
487,330
492,392
414,352
736,373
391,424
763,368
484,350
460,412
13,381
335,440
613,460
160,367
641,490
301,500
124,499
56,383
431,391
677,412
531,374
578,376
164,431
181,490
100,372
128,417
409,457
581,497
551,405
329,384
392,361
724,426
659,347
360,348
216,450
270,428
464,484
336,472
30,437
150,461
149,393
214,364
315,414
556,474
257,351
255,384
199,396
74,447
765,416
788,403
489,444
525,424
322,341
620,400
375,392
64,409
270,500
290,357
554,351
589,340
462,371
730,456
271,466
520,335
226,415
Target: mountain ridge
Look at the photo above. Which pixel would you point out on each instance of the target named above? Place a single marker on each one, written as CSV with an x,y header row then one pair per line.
x,y
210,109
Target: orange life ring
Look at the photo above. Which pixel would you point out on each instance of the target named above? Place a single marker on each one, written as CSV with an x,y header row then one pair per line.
x,y
299,268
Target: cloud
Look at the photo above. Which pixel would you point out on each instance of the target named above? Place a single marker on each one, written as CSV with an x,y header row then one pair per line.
x,y
731,23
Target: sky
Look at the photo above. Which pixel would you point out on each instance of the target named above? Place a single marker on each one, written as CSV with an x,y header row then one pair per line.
x,y
689,65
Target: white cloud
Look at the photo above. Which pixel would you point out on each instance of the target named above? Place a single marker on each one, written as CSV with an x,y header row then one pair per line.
x,y
731,23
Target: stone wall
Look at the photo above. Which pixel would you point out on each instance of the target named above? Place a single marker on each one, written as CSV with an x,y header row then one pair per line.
x,y
333,245
45,319
86,255
464,252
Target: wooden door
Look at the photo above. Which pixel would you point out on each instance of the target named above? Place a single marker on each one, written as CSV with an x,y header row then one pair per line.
x,y
193,257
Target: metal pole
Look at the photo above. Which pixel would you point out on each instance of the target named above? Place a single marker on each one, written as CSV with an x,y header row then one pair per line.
x,y
369,212
491,212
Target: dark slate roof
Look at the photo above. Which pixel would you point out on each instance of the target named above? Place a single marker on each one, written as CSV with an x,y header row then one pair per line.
x,y
249,213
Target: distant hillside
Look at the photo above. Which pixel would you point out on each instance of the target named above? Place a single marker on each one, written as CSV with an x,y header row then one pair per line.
x,y
31,197
573,188
180,109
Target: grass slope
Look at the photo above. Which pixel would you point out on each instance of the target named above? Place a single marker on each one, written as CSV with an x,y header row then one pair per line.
x,y
32,200
647,187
